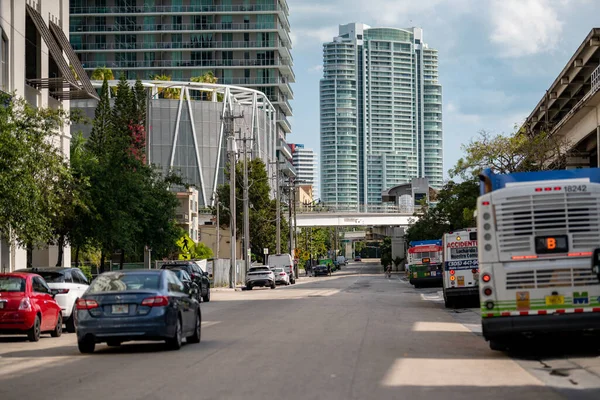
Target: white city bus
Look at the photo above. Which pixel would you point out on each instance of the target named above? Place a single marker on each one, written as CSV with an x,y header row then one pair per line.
x,y
461,268
537,232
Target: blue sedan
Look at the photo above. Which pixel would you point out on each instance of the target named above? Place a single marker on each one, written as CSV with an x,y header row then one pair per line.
x,y
122,306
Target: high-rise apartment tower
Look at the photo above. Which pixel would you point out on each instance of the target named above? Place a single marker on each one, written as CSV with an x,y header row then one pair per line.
x,y
381,114
243,42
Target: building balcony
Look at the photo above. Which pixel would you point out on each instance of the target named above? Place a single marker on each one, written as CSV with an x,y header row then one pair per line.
x,y
283,103
183,219
176,28
216,45
282,82
285,124
182,64
179,9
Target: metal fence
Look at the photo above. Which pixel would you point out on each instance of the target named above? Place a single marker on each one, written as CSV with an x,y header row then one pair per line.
x,y
218,270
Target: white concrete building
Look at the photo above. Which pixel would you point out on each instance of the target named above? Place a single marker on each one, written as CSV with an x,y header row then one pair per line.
x,y
35,63
381,114
306,164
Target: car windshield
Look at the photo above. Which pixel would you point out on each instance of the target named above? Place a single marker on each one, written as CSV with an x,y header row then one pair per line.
x,y
51,276
176,267
124,282
181,274
12,284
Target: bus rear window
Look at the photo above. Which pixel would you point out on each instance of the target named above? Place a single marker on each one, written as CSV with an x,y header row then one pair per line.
x,y
472,235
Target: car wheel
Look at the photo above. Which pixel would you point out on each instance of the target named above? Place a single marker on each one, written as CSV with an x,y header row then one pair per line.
x,y
86,346
248,287
58,328
113,343
174,343
498,345
70,324
195,338
273,285
207,297
33,334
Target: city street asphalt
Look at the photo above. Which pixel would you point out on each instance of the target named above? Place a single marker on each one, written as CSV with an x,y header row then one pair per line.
x,y
354,335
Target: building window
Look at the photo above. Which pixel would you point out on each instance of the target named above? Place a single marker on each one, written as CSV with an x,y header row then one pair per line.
x,y
3,62
32,50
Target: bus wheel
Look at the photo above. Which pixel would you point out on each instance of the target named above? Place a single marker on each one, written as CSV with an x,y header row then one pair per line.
x,y
448,303
498,345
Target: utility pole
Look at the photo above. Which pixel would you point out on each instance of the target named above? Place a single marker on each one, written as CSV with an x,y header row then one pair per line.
x,y
246,210
218,224
232,150
290,221
278,205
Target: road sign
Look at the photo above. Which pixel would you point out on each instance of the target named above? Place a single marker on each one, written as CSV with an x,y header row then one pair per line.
x,y
266,250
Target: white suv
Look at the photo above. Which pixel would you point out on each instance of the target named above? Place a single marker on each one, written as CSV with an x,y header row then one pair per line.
x,y
262,276
69,284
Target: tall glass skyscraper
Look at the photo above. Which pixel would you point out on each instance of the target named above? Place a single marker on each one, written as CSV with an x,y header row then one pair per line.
x,y
381,114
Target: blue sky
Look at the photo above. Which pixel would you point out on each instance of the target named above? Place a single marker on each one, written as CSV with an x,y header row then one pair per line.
x,y
497,57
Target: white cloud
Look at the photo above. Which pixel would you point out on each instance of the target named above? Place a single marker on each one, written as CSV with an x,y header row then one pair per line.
x,y
304,37
525,27
316,68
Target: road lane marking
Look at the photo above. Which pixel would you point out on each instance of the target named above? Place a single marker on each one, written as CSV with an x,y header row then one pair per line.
x,y
464,372
423,326
206,324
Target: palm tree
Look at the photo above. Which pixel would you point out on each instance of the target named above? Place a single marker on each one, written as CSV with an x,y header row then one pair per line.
x,y
102,73
167,93
208,77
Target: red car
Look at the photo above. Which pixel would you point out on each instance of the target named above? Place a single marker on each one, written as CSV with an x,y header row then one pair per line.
x,y
27,306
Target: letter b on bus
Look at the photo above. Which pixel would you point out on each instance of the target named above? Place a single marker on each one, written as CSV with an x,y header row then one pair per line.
x,y
550,243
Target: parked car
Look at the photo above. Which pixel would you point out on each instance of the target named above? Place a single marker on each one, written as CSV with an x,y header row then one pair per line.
x,y
27,306
128,305
284,261
281,277
357,258
320,269
197,273
69,284
187,281
260,275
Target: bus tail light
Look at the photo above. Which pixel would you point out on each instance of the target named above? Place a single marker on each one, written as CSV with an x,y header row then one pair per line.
x,y
452,272
486,278
487,291
452,278
489,305
474,270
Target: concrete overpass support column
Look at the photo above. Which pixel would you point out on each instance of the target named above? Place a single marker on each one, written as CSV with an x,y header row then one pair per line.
x,y
348,249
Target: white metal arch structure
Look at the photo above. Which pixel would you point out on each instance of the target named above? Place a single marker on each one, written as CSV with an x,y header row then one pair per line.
x,y
259,123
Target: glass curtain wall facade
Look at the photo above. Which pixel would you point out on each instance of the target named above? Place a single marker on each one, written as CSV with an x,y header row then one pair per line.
x,y
381,119
242,42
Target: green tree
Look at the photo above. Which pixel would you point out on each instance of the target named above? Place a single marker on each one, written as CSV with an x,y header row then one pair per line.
x,y
455,208
208,77
519,152
102,74
76,214
167,93
32,171
132,203
202,251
